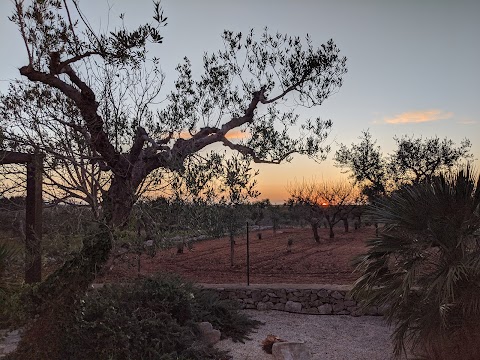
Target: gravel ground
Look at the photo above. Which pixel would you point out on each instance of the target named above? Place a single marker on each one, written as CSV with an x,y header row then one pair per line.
x,y
337,337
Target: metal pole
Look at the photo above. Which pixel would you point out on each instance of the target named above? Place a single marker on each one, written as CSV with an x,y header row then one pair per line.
x,y
248,257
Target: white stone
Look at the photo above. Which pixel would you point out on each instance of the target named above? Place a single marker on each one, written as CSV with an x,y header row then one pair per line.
x,y
261,306
290,351
337,295
325,309
204,327
293,306
208,334
149,243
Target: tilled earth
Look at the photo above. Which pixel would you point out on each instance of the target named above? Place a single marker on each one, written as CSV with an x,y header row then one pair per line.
x,y
329,262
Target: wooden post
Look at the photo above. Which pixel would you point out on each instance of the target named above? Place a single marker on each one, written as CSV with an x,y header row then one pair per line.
x,y
33,211
33,219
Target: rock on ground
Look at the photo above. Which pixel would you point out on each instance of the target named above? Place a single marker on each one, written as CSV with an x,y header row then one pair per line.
x,y
290,351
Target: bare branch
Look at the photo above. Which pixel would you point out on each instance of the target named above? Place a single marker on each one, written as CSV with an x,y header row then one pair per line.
x,y
21,24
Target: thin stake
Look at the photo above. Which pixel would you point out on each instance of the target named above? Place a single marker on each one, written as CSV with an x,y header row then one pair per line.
x,y
248,257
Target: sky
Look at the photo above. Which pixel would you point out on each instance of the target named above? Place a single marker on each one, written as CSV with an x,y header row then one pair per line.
x,y
413,65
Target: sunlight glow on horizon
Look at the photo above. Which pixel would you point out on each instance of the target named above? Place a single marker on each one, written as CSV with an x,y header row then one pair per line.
x,y
233,134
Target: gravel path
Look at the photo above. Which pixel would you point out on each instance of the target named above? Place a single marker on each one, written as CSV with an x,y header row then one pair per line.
x,y
338,337
328,337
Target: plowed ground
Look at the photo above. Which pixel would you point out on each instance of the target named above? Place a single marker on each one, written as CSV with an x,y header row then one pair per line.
x,y
209,261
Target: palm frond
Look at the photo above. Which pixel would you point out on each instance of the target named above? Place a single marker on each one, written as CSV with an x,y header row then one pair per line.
x,y
425,264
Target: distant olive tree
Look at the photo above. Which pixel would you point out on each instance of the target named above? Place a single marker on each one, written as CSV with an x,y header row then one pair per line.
x,y
417,160
339,199
366,164
326,200
414,160
305,200
238,189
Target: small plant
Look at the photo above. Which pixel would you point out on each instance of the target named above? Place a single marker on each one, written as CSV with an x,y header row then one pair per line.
x,y
289,245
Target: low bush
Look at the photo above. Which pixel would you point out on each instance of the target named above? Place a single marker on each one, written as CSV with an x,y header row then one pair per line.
x,y
153,318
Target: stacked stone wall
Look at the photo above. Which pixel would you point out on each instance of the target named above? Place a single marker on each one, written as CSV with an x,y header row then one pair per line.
x,y
328,300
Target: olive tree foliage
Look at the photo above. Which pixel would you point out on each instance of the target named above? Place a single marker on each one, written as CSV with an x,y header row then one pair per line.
x,y
252,85
237,185
38,118
418,160
366,164
207,199
242,87
415,160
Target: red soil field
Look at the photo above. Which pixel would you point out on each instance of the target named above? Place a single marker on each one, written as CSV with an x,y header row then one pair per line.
x,y
209,261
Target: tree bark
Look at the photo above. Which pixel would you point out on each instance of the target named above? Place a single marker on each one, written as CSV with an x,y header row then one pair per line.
x,y
345,224
316,236
332,234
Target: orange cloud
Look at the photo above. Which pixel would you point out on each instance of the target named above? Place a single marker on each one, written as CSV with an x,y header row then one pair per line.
x,y
414,117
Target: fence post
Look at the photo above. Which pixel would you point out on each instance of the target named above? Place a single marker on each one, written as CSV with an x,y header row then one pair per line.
x,y
248,256
33,219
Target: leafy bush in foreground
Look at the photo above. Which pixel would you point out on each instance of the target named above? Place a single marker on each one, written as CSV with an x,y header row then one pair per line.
x,y
425,267
150,319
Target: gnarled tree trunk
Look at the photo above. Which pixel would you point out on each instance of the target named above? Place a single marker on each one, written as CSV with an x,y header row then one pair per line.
x,y
55,299
316,236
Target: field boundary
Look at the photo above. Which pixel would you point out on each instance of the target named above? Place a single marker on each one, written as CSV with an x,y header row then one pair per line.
x,y
312,299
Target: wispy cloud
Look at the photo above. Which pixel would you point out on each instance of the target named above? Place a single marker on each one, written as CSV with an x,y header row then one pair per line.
x,y
414,117
467,122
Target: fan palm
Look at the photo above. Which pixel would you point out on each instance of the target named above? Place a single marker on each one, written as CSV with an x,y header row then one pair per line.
x,y
424,268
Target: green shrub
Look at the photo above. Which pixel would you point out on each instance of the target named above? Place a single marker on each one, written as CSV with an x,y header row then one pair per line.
x,y
7,253
12,313
10,309
150,319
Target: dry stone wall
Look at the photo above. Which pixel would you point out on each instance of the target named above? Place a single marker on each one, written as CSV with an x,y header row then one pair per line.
x,y
327,300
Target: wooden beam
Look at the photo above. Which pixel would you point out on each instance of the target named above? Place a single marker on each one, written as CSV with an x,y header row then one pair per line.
x,y
10,157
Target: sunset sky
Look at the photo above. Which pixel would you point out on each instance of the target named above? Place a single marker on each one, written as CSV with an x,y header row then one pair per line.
x,y
413,66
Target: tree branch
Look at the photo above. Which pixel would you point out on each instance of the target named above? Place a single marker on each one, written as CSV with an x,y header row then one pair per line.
x,y
49,79
85,100
263,100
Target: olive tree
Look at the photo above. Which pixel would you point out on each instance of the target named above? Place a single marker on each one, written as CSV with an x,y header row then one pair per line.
x,y
418,160
366,164
331,201
414,160
305,200
243,87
